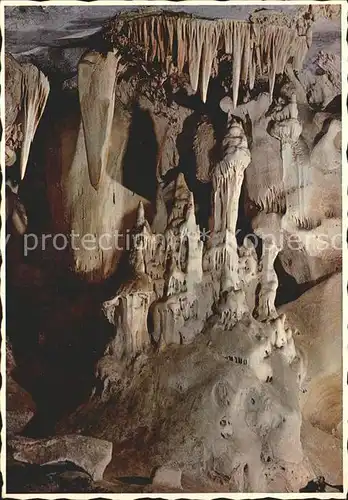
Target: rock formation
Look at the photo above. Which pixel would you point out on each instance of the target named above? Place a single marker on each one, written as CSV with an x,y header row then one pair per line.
x,y
255,46
184,162
26,99
91,454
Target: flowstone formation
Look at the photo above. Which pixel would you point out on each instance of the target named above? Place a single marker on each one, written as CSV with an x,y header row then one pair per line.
x,y
226,405
193,153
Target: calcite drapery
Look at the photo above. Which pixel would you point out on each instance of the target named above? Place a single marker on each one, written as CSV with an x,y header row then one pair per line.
x,y
287,129
228,176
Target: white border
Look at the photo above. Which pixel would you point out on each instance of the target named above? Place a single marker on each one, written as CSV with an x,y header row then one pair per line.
x,y
134,4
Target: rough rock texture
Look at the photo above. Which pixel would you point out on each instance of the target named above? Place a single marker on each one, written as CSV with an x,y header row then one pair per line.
x,y
53,478
93,455
167,477
319,336
212,414
182,163
197,43
190,418
326,83
20,407
25,103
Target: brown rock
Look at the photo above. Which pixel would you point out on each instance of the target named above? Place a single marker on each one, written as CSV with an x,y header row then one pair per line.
x,y
20,407
93,455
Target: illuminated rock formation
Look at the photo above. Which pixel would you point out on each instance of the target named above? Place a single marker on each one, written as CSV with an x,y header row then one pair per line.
x,y
197,42
27,91
227,178
189,159
96,81
128,310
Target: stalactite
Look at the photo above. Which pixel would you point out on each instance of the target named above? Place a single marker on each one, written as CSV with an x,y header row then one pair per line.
x,y
210,44
181,40
256,48
146,39
227,30
97,77
160,38
300,51
35,94
196,39
170,40
252,70
237,61
246,53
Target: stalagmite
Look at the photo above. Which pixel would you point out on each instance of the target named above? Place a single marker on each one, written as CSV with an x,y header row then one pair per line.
x,y
182,198
221,254
268,228
128,310
160,220
35,94
287,129
97,76
167,278
228,176
201,364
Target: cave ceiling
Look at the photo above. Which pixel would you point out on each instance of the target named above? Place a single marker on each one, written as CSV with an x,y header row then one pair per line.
x,y
54,38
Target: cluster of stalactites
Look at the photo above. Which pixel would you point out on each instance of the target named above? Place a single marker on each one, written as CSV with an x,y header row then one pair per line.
x,y
194,43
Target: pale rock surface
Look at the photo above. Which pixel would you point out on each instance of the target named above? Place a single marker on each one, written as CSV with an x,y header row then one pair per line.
x,y
167,477
25,104
72,201
203,421
303,188
201,360
93,455
211,425
203,376
96,82
317,317
105,214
